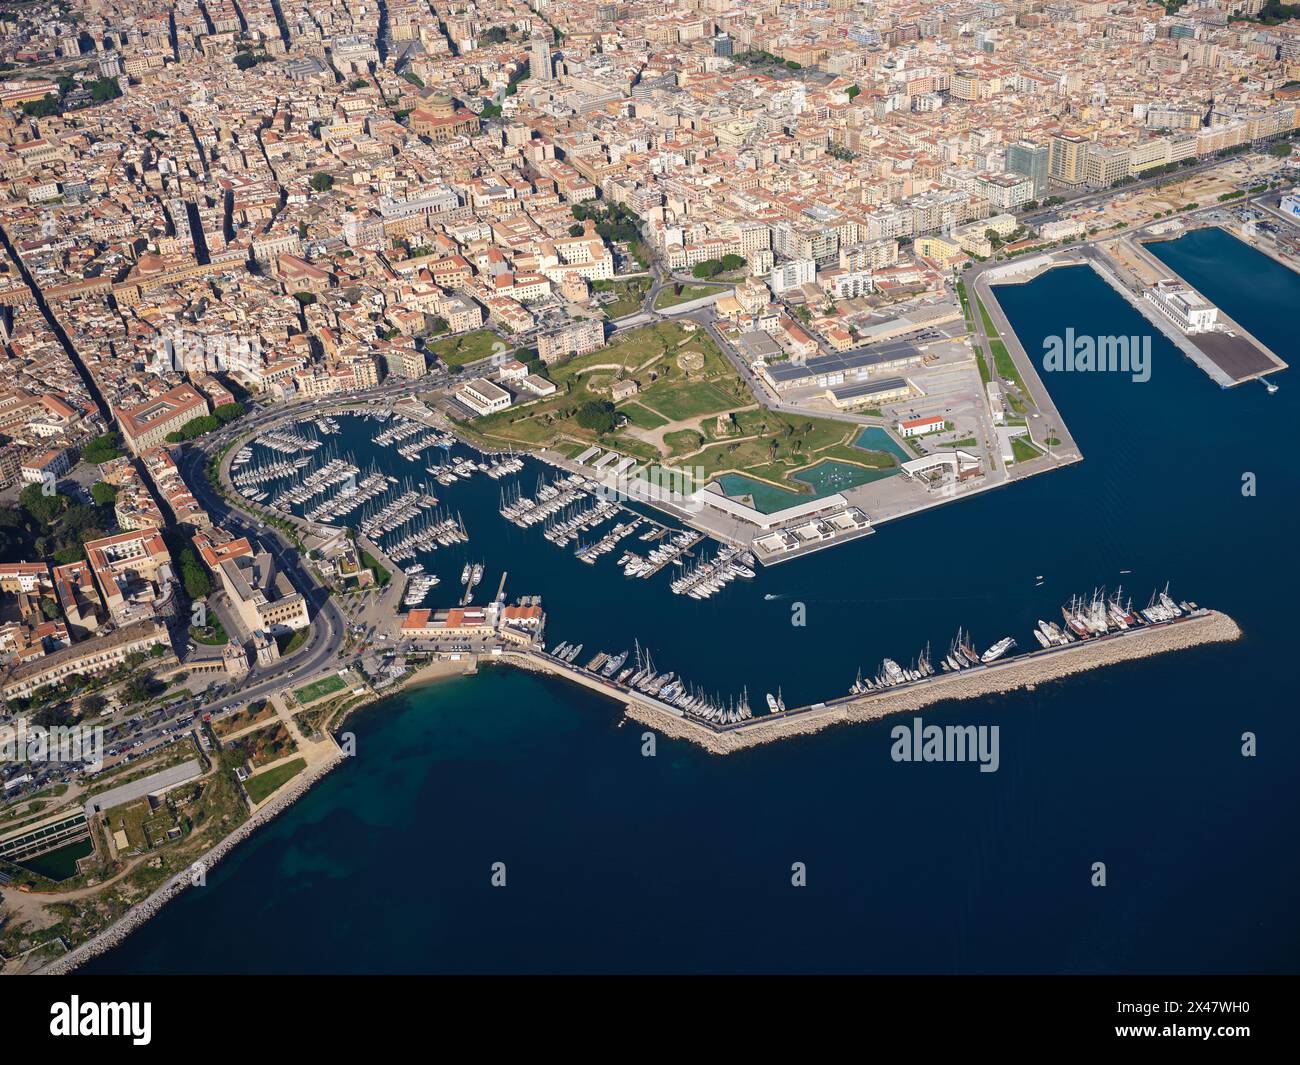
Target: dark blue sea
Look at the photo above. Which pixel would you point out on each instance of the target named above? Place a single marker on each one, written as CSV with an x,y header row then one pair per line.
x,y
682,862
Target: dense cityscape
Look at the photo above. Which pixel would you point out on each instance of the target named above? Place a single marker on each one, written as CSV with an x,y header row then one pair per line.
x,y
298,301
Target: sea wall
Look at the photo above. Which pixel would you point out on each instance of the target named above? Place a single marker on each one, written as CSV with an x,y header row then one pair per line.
x,y
1016,673
142,911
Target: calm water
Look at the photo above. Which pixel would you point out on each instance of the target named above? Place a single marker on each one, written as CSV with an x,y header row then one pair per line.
x,y
682,861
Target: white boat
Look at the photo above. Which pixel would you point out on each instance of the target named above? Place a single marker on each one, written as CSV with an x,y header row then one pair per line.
x,y
998,650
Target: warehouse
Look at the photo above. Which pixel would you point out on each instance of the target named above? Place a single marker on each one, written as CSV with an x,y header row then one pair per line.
x,y
870,393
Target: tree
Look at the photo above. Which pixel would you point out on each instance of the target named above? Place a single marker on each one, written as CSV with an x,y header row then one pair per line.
x,y
45,107
102,449
44,508
732,261
104,494
321,182
708,268
576,230
193,428
305,299
105,89
1281,149
228,412
92,705
493,35
596,415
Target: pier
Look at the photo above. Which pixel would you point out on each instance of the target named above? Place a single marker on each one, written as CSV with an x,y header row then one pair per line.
x,y
1010,674
1229,354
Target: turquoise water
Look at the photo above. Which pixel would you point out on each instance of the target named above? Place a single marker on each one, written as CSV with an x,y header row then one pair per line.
x,y
830,476
766,498
619,862
874,438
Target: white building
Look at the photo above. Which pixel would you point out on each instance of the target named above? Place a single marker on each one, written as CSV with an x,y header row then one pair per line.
x,y
921,426
792,274
483,397
1190,311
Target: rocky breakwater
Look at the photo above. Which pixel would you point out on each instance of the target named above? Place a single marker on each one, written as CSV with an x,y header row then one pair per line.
x,y
142,911
1024,671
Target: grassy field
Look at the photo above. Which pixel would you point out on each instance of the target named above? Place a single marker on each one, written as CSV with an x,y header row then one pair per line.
x,y
130,819
672,295
468,347
677,404
666,360
629,295
642,417
371,563
1023,450
265,745
1002,361
317,689
683,378
263,784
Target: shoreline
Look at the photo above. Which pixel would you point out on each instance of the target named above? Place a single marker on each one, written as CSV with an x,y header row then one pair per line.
x,y
1016,674
275,805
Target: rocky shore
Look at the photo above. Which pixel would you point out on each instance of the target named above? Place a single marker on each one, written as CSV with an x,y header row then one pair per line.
x,y
1011,675
142,911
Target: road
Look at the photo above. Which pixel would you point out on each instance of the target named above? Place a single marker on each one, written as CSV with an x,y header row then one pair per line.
x,y
328,628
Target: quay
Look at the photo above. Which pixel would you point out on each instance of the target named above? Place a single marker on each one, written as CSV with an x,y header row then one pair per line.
x,y
1010,674
1229,355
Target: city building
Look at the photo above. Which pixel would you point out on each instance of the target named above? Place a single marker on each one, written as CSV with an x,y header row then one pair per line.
x,y
482,396
147,425
1189,310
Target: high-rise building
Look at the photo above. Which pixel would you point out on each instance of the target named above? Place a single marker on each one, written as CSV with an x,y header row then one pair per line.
x,y
1065,160
1030,160
539,59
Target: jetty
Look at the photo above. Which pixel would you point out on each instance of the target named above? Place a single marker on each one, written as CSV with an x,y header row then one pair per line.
x,y
1010,674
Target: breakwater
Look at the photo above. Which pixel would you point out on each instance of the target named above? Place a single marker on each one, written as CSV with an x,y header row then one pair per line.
x,y
149,907
1024,671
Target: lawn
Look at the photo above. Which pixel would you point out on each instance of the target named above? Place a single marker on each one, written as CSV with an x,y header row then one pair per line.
x,y
266,745
1023,450
371,563
677,403
290,642
317,689
212,635
642,417
672,295
130,818
468,347
683,377
263,784
683,442
1002,361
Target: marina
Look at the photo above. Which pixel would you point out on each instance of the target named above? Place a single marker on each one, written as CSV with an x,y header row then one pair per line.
x,y
539,766
1086,620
